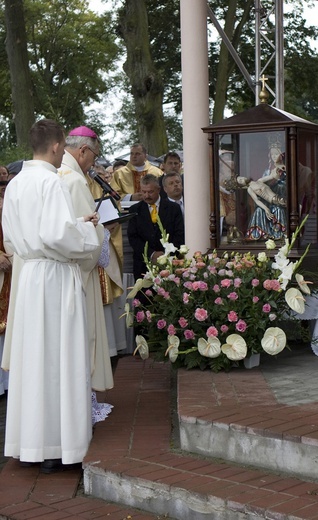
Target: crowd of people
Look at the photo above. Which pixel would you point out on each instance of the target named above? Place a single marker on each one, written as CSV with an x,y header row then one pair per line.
x,y
61,282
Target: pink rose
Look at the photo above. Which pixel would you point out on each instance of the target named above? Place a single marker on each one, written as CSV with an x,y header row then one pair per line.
x,y
276,285
216,288
224,328
232,296
188,285
185,298
200,314
237,282
271,285
140,316
148,292
164,273
241,326
218,301
226,282
171,330
161,324
189,334
183,322
255,299
232,316
212,331
255,282
136,302
266,308
148,316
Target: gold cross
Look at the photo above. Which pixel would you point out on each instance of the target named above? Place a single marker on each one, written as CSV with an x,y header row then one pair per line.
x,y
263,79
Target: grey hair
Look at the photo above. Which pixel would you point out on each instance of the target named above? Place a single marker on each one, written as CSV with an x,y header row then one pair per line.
x,y
149,179
77,141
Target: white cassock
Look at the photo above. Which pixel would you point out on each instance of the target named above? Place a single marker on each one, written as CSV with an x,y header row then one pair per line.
x,y
49,396
84,204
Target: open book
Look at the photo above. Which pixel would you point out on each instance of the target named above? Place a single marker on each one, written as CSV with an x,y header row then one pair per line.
x,y
109,213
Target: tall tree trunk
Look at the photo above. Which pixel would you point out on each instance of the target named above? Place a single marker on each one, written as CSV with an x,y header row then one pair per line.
x,y
146,82
16,47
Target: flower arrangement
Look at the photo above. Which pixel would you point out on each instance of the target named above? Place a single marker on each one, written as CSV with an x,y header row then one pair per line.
x,y
214,310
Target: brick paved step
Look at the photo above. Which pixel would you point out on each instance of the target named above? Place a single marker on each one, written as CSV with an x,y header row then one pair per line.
x,y
237,417
134,460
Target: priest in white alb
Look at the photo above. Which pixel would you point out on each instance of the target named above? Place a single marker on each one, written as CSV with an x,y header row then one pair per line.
x,y
49,396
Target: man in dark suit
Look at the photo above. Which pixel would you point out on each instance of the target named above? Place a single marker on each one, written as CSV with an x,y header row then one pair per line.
x,y
171,164
143,227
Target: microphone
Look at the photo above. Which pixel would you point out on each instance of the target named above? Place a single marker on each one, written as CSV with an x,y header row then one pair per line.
x,y
103,184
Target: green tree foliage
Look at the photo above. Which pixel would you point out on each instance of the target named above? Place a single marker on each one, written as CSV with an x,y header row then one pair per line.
x,y
301,96
71,53
71,50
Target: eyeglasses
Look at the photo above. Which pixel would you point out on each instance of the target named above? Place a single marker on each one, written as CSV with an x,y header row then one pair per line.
x,y
96,155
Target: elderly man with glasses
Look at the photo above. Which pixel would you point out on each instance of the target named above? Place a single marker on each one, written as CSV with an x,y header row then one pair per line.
x,y
81,149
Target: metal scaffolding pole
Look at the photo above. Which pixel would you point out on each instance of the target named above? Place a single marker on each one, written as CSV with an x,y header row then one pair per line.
x,y
269,46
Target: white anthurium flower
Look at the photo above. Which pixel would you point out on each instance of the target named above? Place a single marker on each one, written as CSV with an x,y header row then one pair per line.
x,y
142,347
295,300
129,316
270,244
173,348
141,283
303,284
274,340
235,347
183,250
210,348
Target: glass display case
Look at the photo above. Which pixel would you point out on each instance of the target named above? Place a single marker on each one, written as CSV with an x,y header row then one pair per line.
x,y
263,179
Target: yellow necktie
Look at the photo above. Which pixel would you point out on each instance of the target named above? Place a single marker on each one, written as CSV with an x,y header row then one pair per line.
x,y
154,213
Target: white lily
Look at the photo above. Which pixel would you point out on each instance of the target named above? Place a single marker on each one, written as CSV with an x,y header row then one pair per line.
x,y
286,275
169,247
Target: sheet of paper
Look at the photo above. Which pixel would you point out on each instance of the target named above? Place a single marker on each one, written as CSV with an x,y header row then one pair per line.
x,y
107,211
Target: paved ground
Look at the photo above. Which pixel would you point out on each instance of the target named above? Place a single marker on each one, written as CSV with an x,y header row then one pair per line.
x,y
134,445
3,407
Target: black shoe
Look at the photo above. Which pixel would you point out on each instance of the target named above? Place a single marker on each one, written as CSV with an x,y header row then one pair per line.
x,y
25,464
55,466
